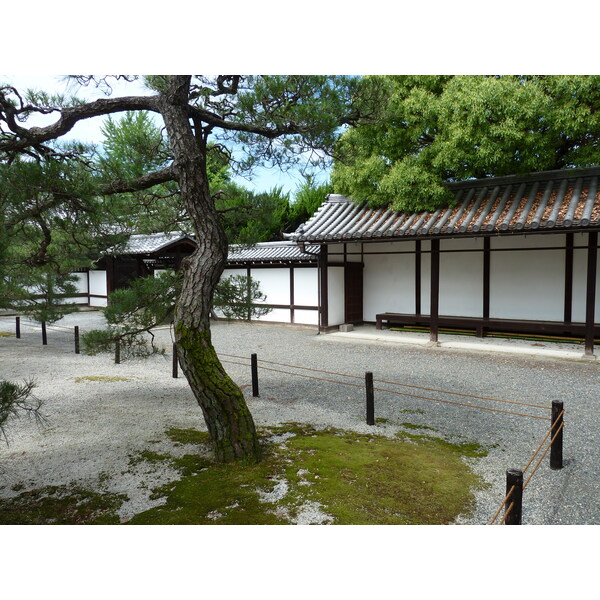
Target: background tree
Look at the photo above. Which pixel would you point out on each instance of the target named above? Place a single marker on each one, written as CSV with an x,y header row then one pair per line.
x,y
424,130
307,198
17,399
271,120
51,224
239,297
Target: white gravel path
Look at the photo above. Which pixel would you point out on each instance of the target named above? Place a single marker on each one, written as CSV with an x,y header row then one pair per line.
x,y
96,428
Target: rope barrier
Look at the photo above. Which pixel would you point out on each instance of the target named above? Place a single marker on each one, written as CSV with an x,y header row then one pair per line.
x,y
510,507
508,412
543,455
506,499
401,384
386,390
543,442
526,483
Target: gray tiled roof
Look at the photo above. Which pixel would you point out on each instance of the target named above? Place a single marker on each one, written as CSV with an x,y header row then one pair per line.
x,y
271,252
263,252
551,200
149,243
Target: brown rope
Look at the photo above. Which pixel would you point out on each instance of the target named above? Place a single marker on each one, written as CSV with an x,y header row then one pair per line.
x,y
543,455
312,377
543,441
403,393
510,507
506,499
417,387
508,412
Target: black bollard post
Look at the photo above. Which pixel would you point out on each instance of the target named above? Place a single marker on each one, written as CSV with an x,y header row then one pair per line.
x,y
254,369
18,327
514,477
76,331
44,335
118,352
175,362
370,398
556,450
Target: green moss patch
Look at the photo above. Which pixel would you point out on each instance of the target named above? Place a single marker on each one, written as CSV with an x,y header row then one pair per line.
x,y
104,378
353,478
188,436
6,334
61,505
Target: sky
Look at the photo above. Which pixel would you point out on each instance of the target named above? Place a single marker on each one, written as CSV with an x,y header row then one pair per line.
x,y
90,130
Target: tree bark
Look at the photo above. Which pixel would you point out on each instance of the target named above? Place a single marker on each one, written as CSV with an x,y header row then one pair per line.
x,y
226,413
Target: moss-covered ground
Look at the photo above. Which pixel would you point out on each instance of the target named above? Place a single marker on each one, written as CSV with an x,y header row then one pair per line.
x,y
413,478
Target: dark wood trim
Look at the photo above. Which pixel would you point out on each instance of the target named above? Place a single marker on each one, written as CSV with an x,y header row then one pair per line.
x,y
110,274
289,306
474,323
590,301
486,277
249,289
291,269
418,277
569,247
434,290
271,265
323,288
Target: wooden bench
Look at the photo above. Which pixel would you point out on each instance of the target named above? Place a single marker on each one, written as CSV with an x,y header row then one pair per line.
x,y
481,325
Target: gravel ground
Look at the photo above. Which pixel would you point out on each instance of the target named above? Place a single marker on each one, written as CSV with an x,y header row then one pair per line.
x,y
95,428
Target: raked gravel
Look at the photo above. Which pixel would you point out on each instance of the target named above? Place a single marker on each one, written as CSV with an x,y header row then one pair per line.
x,y
94,429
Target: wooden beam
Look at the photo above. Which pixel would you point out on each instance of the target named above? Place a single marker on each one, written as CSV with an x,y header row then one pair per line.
x,y
292,301
434,294
569,277
590,301
110,275
323,289
487,252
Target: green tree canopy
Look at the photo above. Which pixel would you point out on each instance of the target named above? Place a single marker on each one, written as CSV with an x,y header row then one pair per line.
x,y
424,130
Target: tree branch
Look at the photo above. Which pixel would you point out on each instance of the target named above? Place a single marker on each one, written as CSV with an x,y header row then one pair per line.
x,y
26,138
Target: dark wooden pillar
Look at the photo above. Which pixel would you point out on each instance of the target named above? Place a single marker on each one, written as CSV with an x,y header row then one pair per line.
x,y
110,275
485,308
590,302
569,278
418,277
249,291
323,288
487,243
434,293
292,302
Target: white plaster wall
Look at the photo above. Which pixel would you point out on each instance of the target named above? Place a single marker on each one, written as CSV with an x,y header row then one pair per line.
x,y
279,315
306,317
461,279
335,289
99,302
274,283
388,284
335,253
306,287
81,283
425,277
527,285
98,285
557,240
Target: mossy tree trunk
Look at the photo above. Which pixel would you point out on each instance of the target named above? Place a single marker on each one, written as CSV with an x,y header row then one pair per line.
x,y
226,413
